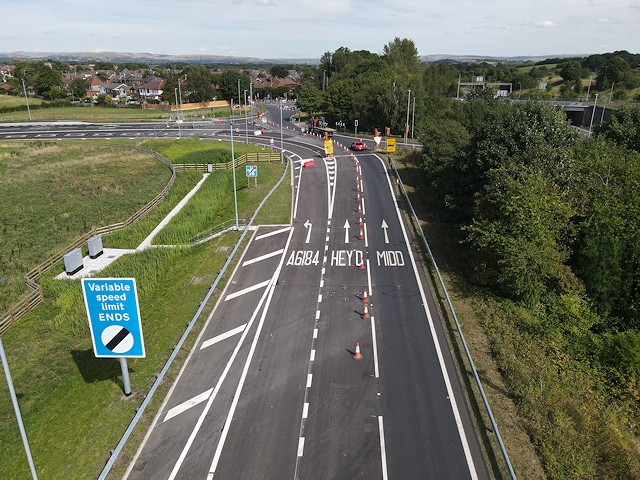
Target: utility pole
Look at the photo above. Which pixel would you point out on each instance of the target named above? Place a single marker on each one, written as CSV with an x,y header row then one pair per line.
x,y
26,98
406,128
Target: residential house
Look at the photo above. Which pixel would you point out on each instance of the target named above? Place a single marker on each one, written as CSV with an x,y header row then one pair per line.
x,y
152,89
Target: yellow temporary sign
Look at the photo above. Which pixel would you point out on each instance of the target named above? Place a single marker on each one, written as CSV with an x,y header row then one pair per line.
x,y
328,147
391,145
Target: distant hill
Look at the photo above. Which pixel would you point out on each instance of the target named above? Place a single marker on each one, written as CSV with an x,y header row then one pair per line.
x,y
154,58
439,58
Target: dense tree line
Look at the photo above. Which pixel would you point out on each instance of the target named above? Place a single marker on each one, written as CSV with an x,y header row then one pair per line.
x,y
550,222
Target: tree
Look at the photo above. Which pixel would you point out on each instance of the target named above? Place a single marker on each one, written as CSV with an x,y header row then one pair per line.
x,y
615,70
199,84
310,99
279,71
45,79
571,70
78,88
623,128
519,230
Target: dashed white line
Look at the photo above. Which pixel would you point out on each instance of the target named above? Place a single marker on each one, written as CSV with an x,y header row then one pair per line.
x,y
309,380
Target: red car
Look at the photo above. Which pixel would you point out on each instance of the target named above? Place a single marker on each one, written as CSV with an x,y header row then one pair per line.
x,y
358,146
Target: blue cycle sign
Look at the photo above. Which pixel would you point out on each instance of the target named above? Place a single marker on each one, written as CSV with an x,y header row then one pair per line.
x,y
114,317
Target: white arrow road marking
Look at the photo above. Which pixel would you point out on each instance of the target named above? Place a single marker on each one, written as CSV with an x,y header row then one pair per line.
x,y
384,227
308,226
346,231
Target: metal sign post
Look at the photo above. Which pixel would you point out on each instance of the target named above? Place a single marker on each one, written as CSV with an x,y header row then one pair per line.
x,y
252,171
114,320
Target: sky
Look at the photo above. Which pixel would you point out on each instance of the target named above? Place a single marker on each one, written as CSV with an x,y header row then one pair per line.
x,y
281,29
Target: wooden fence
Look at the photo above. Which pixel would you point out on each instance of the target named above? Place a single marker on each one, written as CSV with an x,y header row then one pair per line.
x,y
245,159
35,296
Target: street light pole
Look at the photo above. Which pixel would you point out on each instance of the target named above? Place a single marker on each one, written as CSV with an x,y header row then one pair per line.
x,y
246,120
281,137
26,98
413,117
233,168
406,128
595,103
175,91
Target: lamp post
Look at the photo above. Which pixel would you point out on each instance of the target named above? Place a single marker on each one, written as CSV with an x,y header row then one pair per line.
x,y
281,137
413,117
26,98
246,120
406,128
175,91
233,168
595,103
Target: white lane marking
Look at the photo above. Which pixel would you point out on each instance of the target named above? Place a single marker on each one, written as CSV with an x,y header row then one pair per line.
x,y
225,372
315,333
312,357
223,336
244,291
317,314
384,227
184,406
234,404
305,410
275,232
300,446
363,208
309,380
346,231
366,236
375,349
383,451
434,335
320,298
263,257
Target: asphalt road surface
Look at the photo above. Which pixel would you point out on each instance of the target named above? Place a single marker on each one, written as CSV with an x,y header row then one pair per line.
x,y
272,389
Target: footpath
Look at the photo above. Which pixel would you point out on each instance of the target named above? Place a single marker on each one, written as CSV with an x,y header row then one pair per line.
x,y
91,266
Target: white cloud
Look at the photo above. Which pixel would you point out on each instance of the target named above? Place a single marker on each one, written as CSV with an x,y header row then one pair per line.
x,y
546,24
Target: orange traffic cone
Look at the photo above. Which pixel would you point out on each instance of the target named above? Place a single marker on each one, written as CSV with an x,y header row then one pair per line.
x,y
360,221
361,234
359,208
365,297
365,314
358,197
361,265
357,355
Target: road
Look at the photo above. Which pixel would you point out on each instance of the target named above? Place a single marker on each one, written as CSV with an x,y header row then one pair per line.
x,y
271,389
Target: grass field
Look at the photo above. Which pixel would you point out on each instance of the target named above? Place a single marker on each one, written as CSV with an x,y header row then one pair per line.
x,y
72,403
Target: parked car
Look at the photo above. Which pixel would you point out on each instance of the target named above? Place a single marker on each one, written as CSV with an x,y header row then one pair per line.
x,y
358,146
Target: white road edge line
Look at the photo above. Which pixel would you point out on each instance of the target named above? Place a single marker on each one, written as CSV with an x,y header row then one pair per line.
x,y
383,449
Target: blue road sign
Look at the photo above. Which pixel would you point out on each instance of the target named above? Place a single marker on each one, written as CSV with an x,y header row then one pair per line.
x,y
252,170
114,317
